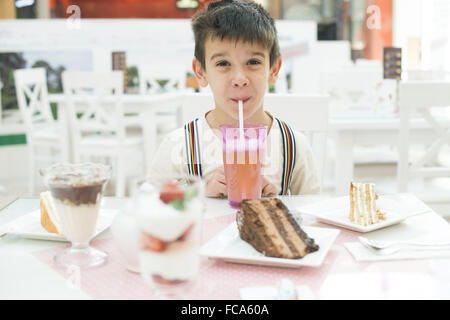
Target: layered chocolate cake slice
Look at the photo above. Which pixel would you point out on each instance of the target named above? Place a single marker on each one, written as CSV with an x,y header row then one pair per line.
x,y
271,229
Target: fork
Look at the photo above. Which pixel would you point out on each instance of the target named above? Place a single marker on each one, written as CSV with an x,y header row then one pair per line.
x,y
384,247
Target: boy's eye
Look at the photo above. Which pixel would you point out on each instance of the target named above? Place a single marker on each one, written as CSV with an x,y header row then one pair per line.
x,y
254,62
222,64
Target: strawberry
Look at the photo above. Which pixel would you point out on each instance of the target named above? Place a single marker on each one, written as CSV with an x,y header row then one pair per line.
x,y
148,242
170,192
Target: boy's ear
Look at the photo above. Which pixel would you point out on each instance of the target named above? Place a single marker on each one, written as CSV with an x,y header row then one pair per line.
x,y
274,70
199,72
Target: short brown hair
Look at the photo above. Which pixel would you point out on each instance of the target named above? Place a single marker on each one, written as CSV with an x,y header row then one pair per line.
x,y
235,20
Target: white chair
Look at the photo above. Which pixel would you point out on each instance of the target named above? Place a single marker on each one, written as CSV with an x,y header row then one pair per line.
x,y
419,98
352,89
155,79
195,105
305,113
47,141
322,56
100,130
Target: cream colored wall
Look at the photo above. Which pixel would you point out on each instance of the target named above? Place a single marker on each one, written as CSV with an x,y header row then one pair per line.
x,y
7,9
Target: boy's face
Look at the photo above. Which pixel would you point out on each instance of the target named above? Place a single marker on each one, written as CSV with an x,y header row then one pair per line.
x,y
236,71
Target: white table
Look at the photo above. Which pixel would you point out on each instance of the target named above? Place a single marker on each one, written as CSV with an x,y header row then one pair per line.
x,y
22,276
348,132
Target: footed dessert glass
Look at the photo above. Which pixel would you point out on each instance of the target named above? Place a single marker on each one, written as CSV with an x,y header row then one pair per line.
x,y
169,217
77,192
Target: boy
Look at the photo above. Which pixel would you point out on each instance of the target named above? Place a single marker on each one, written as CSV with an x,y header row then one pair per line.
x,y
237,55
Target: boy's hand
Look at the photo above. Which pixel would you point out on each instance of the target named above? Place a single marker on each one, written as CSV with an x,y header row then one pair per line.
x,y
268,189
217,186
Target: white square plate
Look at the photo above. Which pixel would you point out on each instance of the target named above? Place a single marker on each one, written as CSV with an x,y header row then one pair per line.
x,y
336,211
228,246
29,226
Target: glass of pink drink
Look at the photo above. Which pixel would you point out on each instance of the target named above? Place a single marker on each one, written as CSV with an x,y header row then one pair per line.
x,y
243,161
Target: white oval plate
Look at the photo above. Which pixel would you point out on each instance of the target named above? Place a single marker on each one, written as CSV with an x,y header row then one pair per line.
x,y
228,246
29,225
336,211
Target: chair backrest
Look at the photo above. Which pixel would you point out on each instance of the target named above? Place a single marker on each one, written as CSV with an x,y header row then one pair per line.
x,y
341,56
351,88
94,101
156,79
421,98
304,113
32,97
307,114
195,105
322,56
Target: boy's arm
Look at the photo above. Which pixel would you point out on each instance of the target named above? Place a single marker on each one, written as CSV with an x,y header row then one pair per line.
x,y
304,178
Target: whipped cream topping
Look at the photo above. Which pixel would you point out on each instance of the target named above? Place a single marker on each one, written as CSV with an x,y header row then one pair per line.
x,y
80,174
162,220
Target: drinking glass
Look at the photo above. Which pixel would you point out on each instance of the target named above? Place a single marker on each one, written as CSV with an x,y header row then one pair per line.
x,y
76,191
169,217
243,161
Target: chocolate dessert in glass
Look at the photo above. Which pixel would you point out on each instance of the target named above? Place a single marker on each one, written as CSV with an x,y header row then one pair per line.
x,y
77,191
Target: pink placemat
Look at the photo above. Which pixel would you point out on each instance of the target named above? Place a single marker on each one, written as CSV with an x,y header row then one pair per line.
x,y
219,280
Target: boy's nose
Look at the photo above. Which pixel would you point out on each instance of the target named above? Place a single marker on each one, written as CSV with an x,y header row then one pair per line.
x,y
240,80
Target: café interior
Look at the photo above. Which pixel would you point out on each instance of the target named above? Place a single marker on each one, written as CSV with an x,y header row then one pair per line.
x,y
370,81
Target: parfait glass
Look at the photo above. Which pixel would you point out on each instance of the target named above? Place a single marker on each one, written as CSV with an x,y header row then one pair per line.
x,y
169,216
76,191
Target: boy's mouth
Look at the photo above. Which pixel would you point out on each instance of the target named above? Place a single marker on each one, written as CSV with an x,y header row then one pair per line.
x,y
244,99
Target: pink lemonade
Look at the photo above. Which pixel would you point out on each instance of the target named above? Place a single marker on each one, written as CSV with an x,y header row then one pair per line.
x,y
244,181
243,161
